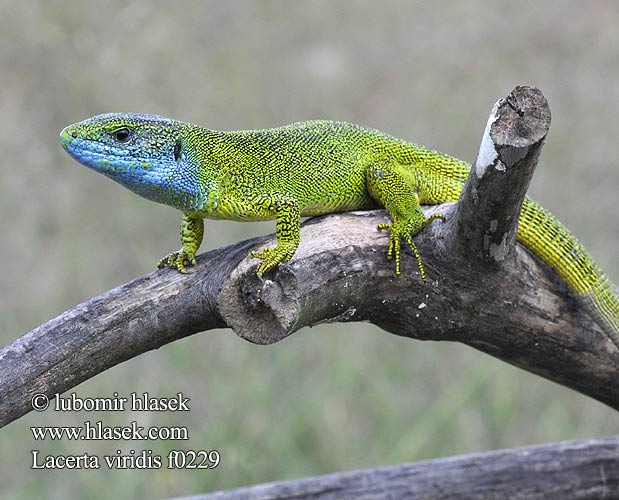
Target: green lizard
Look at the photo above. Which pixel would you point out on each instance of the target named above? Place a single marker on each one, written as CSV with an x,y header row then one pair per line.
x,y
304,169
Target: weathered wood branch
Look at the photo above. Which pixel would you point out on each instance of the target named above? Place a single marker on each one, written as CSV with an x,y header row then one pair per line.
x,y
519,311
583,470
486,217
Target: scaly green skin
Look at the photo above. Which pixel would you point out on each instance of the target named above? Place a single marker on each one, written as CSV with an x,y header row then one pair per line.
x,y
304,169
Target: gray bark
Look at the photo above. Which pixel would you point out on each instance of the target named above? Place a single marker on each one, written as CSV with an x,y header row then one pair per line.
x,y
486,218
583,470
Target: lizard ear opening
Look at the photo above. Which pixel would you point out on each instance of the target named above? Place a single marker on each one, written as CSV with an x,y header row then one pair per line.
x,y
177,150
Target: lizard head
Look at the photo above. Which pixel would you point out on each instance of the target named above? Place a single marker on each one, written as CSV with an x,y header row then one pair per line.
x,y
124,146
142,152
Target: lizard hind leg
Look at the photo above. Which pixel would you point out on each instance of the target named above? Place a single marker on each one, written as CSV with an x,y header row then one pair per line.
x,y
393,187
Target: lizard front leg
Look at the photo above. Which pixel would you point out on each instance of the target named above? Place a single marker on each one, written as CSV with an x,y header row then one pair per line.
x,y
192,231
287,228
390,184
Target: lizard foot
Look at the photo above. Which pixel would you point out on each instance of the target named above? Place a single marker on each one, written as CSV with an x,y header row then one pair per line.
x,y
406,230
273,256
177,260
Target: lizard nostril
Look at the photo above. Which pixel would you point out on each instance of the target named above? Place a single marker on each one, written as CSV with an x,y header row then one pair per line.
x,y
74,135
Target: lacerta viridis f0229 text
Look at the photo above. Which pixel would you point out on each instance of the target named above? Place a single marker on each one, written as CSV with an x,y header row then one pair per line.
x,y
304,169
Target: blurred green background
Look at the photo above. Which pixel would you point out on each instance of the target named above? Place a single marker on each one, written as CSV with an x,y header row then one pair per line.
x,y
335,397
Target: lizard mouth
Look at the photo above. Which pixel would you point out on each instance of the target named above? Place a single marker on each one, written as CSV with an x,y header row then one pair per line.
x,y
114,163
66,137
90,153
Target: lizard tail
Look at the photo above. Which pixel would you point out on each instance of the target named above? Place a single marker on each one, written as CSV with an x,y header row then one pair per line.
x,y
543,234
602,303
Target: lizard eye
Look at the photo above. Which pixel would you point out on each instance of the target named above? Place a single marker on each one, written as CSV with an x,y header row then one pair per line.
x,y
122,134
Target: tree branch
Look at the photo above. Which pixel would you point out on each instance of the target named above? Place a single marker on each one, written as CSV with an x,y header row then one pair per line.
x,y
486,217
519,311
562,471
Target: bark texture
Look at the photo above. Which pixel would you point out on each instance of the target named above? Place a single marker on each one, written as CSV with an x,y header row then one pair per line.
x,y
583,470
